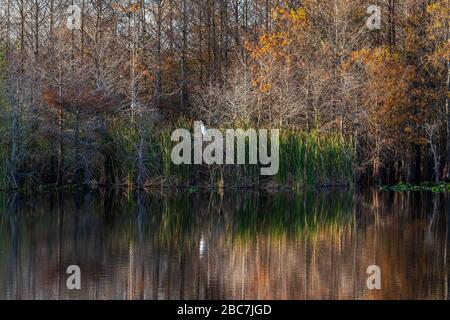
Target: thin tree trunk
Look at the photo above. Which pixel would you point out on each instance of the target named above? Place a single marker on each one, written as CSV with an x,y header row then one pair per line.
x,y
15,143
36,30
447,112
184,94
236,24
15,135
158,76
60,179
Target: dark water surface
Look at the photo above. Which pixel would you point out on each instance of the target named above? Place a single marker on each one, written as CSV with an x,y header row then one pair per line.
x,y
231,246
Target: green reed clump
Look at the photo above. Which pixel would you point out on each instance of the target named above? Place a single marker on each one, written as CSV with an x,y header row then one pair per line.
x,y
306,160
125,139
315,159
168,169
110,156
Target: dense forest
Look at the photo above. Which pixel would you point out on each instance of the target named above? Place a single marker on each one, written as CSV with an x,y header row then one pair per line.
x,y
95,105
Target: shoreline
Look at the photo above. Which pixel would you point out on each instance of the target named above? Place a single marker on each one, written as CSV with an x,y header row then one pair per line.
x,y
425,186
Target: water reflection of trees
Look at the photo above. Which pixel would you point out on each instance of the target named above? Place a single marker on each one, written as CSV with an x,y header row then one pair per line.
x,y
238,245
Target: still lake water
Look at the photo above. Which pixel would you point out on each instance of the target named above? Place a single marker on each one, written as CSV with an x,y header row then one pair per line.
x,y
239,245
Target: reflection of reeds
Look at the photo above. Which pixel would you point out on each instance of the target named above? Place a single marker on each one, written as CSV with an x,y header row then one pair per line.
x,y
177,218
3,169
294,215
280,215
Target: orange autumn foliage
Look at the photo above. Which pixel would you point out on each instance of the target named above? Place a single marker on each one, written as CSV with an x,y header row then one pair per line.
x,y
275,48
386,92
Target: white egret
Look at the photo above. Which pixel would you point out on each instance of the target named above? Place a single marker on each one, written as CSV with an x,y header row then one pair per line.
x,y
204,129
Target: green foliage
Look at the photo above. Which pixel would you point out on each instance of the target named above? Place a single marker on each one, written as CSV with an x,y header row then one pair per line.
x,y
123,138
424,186
306,160
312,159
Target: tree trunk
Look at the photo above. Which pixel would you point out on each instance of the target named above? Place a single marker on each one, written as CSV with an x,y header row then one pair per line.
x,y
447,112
158,76
184,94
60,179
15,137
141,167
